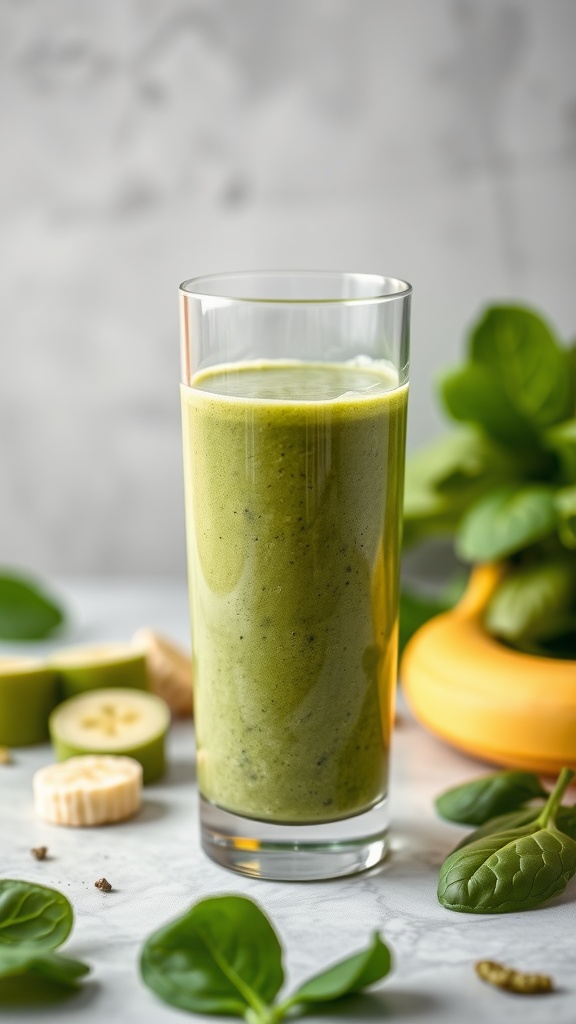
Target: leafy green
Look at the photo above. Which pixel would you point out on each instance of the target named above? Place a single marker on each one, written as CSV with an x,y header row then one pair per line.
x,y
534,602
505,521
565,821
26,612
518,346
561,647
351,975
224,957
29,975
34,920
476,802
444,478
27,959
517,869
474,394
33,914
508,871
503,485
565,500
220,957
571,353
464,462
562,440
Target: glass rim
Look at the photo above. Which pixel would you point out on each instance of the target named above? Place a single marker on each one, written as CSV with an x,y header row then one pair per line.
x,y
196,287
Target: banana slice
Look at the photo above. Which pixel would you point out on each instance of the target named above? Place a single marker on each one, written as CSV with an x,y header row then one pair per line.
x,y
113,721
88,790
169,671
27,695
99,666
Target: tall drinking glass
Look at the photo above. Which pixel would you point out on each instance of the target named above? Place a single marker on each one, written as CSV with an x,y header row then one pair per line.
x,y
294,392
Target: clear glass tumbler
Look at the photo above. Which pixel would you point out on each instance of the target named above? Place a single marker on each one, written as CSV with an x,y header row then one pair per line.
x,y
294,393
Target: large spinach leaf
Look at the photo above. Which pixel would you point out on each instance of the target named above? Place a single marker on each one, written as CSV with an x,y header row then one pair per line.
x,y
513,870
223,956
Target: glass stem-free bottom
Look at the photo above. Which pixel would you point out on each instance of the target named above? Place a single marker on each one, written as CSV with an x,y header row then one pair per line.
x,y
294,853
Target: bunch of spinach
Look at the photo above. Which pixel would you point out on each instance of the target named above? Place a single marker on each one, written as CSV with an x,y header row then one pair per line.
x,y
513,861
504,483
34,921
224,957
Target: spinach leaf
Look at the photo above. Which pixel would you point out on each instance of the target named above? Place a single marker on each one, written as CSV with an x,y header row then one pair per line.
x,y
427,511
533,602
33,914
562,440
474,394
29,974
26,613
519,347
222,956
566,509
27,958
513,870
505,521
458,467
565,821
501,823
475,802
351,975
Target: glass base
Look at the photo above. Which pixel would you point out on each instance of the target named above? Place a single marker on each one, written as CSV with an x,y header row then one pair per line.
x,y
294,853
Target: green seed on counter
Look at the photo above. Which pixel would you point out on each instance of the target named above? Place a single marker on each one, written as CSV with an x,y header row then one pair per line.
x,y
99,666
28,694
113,721
513,981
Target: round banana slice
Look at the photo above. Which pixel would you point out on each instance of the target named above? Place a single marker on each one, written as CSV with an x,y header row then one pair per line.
x,y
99,666
169,671
27,695
113,721
88,790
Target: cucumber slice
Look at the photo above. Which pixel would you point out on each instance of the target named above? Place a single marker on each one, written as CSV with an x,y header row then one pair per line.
x,y
113,721
98,667
28,692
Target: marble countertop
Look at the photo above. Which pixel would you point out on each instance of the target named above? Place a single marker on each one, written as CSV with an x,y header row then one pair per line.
x,y
157,870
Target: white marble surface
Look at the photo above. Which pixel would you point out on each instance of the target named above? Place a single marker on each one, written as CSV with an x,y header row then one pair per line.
x,y
157,870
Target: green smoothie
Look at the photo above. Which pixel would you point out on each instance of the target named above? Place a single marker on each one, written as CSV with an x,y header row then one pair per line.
x,y
294,478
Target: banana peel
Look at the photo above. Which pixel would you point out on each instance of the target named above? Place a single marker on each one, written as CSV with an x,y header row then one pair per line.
x,y
510,708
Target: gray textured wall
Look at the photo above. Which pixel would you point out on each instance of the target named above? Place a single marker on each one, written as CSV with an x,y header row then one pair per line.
x,y
144,141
